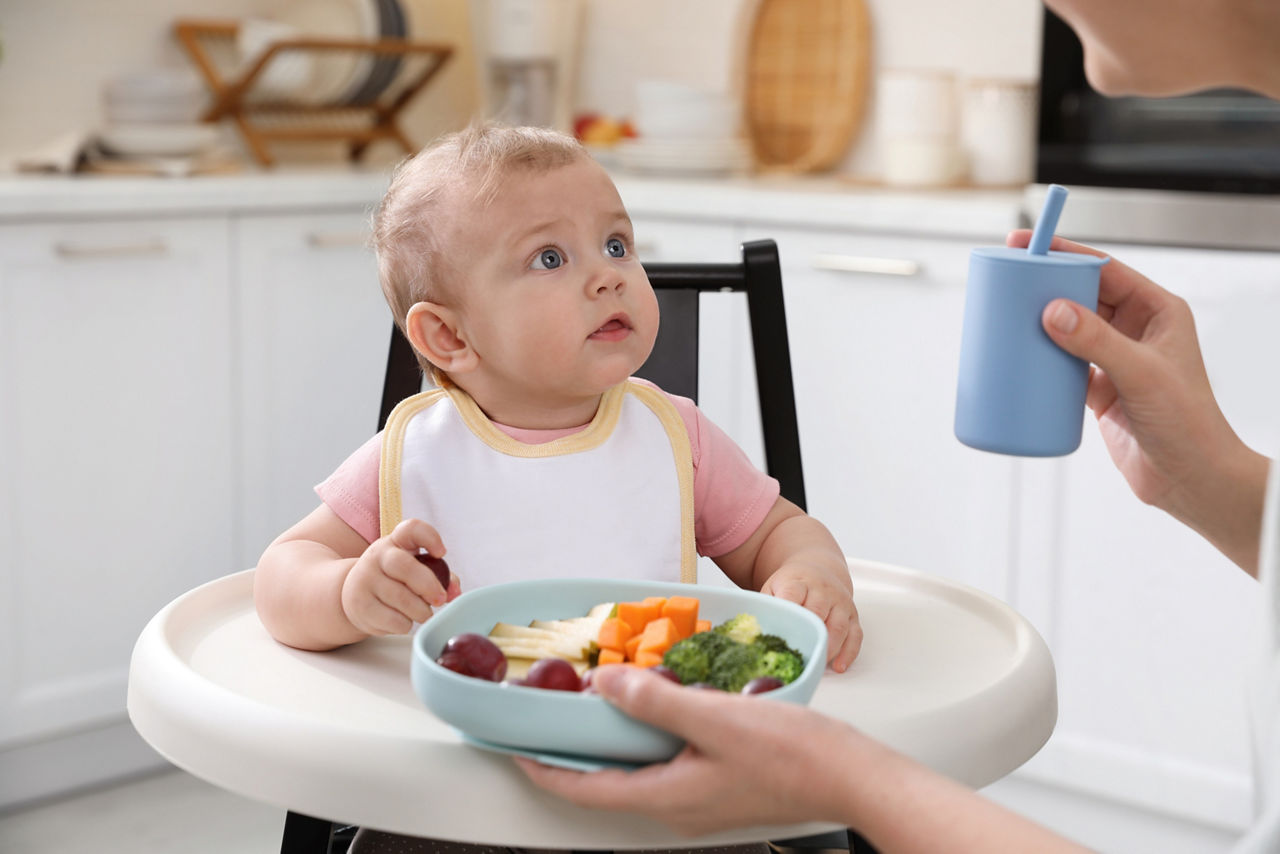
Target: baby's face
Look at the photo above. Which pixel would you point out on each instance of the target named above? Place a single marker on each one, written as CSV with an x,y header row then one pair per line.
x,y
552,297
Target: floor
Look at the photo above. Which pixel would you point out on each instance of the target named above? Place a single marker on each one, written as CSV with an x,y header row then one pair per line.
x,y
167,812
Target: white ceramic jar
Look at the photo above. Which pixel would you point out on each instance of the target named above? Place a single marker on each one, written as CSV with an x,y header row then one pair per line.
x,y
999,119
918,127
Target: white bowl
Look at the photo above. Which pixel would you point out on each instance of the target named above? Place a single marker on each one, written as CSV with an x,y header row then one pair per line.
x,y
574,724
160,95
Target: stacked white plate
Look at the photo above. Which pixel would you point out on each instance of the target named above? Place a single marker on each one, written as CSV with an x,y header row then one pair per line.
x,y
156,113
692,156
684,130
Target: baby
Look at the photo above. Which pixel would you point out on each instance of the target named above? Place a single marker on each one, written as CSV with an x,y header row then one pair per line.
x,y
509,262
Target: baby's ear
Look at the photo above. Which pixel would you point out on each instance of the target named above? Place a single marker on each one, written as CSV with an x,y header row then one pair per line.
x,y
435,333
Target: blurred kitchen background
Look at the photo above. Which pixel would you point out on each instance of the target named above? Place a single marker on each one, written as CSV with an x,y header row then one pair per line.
x,y
877,141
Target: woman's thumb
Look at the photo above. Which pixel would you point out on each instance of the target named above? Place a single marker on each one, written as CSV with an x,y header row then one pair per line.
x,y
645,695
1085,335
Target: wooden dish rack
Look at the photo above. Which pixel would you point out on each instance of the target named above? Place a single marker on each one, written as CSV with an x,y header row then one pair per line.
x,y
261,122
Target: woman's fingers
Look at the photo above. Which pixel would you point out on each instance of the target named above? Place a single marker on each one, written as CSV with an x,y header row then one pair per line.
x,y
691,714
1084,334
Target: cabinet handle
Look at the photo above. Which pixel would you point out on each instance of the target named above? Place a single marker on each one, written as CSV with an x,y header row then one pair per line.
x,y
866,264
337,239
83,251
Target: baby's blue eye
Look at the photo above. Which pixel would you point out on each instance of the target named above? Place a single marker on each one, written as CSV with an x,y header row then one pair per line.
x,y
615,247
548,259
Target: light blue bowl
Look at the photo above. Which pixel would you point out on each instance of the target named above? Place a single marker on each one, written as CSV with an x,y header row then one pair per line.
x,y
583,724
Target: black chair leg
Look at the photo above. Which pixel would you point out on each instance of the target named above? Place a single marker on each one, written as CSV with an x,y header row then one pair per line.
x,y
305,835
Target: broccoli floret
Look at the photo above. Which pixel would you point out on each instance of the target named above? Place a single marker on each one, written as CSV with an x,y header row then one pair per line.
x,y
691,658
743,628
772,643
786,666
718,658
734,667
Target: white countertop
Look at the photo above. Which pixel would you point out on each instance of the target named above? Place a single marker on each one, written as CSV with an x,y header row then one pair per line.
x,y
1094,214
829,201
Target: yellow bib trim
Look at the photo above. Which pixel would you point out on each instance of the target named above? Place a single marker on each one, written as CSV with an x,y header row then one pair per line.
x,y
591,436
390,504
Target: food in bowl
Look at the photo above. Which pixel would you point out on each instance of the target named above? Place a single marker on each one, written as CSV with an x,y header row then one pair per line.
x,y
579,723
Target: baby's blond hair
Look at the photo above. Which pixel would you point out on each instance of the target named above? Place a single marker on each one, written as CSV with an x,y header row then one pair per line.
x,y
407,223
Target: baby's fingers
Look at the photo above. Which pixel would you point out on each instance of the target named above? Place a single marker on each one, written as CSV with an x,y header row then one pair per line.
x,y
843,623
793,590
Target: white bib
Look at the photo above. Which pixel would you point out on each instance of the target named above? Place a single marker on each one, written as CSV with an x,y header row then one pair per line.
x,y
612,501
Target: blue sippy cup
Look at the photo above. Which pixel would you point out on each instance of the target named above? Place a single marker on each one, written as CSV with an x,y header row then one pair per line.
x,y
1019,393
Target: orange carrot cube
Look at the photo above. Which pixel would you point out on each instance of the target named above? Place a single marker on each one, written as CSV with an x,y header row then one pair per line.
x,y
683,611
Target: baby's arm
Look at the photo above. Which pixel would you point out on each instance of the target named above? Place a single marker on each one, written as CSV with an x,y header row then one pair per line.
x,y
320,585
793,556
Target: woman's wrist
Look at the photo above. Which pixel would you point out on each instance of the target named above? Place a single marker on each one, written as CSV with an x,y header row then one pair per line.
x,y
1224,503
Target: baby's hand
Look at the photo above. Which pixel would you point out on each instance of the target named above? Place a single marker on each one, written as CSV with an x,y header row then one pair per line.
x,y
830,600
389,589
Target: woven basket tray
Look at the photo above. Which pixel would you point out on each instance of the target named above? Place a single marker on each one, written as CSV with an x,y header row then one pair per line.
x,y
808,63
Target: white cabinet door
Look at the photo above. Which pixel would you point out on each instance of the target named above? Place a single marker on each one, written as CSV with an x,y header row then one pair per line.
x,y
314,335
115,453
874,325
1151,628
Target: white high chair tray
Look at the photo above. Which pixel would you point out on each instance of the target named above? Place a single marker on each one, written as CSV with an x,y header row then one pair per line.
x,y
947,674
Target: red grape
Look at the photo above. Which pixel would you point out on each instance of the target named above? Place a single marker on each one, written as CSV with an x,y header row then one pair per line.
x,y
761,684
555,674
455,661
481,655
587,676
665,673
436,565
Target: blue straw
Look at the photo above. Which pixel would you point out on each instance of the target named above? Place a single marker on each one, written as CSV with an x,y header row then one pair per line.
x,y
1048,222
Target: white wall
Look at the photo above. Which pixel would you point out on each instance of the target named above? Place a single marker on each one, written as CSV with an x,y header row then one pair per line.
x,y
57,53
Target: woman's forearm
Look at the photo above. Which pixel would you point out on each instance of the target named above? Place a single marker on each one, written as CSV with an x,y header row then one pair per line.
x,y
1224,505
903,807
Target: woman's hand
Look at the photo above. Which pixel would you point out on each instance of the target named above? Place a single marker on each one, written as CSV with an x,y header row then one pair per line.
x,y
749,761
1155,408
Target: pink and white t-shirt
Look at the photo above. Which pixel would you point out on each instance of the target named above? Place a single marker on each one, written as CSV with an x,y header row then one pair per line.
x,y
731,497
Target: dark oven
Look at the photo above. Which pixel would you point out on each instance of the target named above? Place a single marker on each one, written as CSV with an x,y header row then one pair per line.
x,y
1218,141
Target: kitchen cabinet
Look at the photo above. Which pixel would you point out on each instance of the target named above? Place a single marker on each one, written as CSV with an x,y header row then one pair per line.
x,y
173,388
314,330
116,444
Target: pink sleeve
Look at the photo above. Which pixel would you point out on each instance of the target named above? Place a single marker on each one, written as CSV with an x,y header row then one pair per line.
x,y
731,496
352,490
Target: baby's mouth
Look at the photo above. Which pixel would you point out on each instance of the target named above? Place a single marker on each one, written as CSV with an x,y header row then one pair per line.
x,y
614,326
